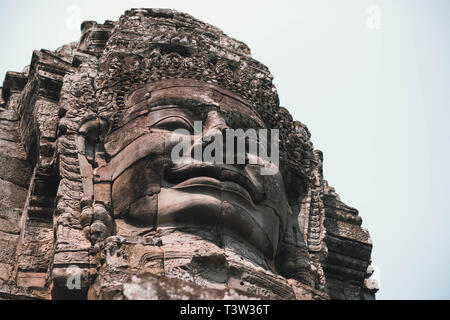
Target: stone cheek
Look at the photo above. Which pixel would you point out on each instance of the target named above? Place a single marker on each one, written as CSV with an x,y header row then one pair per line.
x,y
135,185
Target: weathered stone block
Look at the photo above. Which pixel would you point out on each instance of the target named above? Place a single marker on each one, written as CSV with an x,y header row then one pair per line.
x,y
13,149
12,195
8,244
6,271
15,170
36,249
31,279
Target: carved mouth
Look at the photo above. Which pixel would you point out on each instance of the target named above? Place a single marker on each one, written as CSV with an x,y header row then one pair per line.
x,y
208,182
224,178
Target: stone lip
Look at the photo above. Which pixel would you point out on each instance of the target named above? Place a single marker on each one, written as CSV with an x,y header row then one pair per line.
x,y
212,175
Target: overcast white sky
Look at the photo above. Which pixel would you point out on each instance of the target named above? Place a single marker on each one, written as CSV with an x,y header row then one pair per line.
x,y
375,100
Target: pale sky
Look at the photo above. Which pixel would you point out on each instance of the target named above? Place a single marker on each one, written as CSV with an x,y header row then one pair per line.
x,y
375,100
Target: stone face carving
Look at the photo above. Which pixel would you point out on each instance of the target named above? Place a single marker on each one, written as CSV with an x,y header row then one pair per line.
x,y
93,126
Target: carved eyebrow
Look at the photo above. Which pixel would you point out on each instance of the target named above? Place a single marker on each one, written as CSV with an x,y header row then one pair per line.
x,y
179,105
188,114
173,109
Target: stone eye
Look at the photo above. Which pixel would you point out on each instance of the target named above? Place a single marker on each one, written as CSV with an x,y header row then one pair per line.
x,y
174,123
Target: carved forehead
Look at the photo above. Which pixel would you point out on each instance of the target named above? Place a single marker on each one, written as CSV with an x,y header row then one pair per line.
x,y
187,93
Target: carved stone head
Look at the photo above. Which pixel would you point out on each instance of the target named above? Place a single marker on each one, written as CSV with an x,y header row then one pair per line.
x,y
161,78
152,160
139,188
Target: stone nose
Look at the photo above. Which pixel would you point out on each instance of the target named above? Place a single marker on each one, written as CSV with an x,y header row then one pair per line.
x,y
222,144
213,132
215,123
213,139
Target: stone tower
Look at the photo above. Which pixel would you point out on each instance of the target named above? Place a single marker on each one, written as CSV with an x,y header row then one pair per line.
x,y
93,207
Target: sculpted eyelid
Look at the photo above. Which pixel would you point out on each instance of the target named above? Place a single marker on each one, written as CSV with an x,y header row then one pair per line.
x,y
173,117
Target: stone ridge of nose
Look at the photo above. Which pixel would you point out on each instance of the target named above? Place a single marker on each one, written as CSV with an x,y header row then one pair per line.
x,y
215,120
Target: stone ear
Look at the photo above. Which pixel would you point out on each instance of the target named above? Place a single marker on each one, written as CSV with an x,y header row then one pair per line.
x,y
91,136
95,219
293,257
